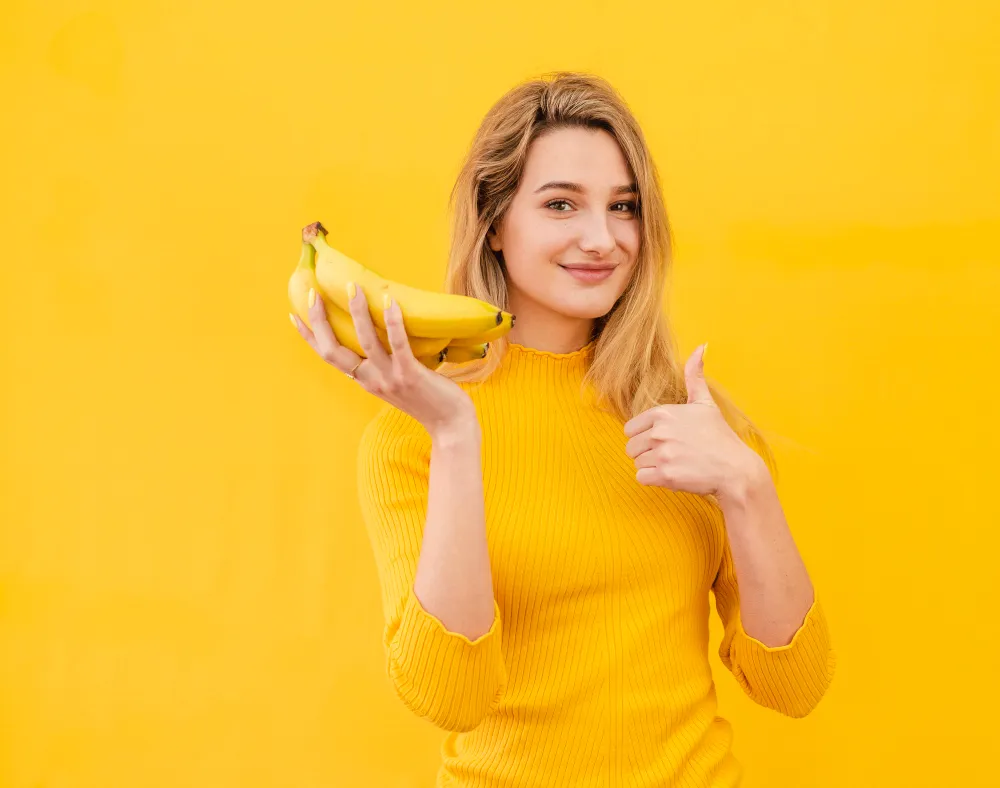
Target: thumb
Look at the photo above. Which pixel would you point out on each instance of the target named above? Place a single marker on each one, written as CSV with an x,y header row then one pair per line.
x,y
694,377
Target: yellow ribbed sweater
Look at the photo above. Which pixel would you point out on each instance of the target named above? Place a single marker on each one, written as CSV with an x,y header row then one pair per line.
x,y
595,671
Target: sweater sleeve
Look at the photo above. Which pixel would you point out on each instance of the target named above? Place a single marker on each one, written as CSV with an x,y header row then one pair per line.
x,y
789,679
443,676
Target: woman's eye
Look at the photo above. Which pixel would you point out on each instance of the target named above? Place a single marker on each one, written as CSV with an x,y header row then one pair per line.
x,y
630,206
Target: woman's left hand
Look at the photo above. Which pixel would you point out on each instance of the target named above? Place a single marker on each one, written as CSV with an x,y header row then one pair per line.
x,y
691,447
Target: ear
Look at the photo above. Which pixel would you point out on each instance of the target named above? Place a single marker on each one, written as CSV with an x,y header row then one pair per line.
x,y
494,240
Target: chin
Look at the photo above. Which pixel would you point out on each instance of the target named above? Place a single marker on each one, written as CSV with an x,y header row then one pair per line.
x,y
586,308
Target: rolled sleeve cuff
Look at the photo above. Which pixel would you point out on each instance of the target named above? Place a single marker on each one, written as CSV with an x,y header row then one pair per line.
x,y
442,675
793,678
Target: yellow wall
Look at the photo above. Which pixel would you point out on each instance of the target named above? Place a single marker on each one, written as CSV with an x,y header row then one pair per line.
x,y
186,591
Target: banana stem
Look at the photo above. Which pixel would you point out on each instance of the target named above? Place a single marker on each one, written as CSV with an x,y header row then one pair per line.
x,y
307,257
310,231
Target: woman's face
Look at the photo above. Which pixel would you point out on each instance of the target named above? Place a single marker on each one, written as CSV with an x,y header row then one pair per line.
x,y
569,248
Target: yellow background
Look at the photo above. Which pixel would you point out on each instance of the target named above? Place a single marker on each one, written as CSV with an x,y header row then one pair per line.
x,y
187,596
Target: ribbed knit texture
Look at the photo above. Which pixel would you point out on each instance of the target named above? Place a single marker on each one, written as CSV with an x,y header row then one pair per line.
x,y
596,670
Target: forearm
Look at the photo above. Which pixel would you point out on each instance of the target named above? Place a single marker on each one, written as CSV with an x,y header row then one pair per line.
x,y
774,585
453,579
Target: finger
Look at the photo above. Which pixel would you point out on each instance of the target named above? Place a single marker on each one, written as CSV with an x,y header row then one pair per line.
x,y
648,476
640,423
325,341
398,340
303,330
365,329
649,459
639,443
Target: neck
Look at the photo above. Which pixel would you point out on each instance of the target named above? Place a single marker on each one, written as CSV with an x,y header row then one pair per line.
x,y
540,328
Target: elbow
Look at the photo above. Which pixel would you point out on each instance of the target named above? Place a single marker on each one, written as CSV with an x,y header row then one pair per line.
x,y
443,676
800,699
791,679
800,706
792,690
813,689
447,709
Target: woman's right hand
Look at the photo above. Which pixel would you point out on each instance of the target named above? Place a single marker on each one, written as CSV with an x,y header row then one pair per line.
x,y
437,402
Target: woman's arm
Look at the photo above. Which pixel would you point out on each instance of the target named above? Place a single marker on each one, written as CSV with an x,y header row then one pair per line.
x,y
421,495
776,640
775,589
453,580
422,505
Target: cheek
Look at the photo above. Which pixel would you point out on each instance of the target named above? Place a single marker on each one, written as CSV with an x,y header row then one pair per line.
x,y
630,238
533,273
622,277
629,241
539,243
530,251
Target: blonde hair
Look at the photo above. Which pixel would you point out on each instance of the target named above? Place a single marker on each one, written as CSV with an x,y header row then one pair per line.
x,y
634,364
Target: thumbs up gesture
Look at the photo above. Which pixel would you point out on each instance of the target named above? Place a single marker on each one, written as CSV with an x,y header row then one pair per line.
x,y
689,447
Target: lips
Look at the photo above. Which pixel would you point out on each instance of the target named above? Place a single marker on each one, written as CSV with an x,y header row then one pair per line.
x,y
589,273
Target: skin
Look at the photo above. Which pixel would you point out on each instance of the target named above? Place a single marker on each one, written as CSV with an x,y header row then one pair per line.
x,y
543,229
691,448
686,447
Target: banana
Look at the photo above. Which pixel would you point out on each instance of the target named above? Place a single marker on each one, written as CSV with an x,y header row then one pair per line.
x,y
489,336
433,361
458,354
304,277
426,313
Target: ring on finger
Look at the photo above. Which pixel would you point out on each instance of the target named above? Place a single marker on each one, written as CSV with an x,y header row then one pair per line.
x,y
351,373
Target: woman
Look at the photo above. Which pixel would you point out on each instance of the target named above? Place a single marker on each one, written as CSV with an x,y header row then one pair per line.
x,y
548,523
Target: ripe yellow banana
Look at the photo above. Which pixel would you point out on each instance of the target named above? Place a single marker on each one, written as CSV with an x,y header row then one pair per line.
x,y
304,277
460,353
435,361
493,334
426,313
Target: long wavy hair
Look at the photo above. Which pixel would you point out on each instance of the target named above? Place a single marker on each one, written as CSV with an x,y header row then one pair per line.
x,y
634,363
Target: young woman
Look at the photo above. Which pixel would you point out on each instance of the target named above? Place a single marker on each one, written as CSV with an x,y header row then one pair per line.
x,y
548,523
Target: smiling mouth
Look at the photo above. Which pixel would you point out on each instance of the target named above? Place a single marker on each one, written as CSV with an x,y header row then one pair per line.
x,y
589,274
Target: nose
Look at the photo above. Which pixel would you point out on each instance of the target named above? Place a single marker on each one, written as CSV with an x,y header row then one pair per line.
x,y
597,238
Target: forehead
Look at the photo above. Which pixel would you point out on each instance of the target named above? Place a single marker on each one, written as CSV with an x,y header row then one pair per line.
x,y
591,157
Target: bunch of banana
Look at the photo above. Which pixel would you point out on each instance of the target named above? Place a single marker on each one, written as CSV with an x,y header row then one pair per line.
x,y
439,326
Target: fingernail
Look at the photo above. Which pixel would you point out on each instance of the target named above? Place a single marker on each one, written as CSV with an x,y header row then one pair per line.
x,y
386,300
292,318
704,351
352,290
312,297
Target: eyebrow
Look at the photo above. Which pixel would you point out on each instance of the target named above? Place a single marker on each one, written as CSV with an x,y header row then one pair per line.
x,y
631,188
